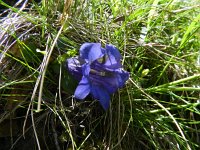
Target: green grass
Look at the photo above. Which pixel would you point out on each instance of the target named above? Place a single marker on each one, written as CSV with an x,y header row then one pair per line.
x,y
159,107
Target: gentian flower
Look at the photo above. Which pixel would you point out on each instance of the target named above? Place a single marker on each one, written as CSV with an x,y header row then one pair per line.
x,y
99,71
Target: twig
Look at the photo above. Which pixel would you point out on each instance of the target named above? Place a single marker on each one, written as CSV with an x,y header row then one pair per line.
x,y
55,135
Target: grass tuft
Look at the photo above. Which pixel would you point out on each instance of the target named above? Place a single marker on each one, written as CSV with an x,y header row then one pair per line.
x,y
157,109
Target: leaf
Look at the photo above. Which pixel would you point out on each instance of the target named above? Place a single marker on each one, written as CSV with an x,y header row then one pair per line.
x,y
193,27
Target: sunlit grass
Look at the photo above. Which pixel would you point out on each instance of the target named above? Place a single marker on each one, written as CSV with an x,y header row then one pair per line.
x,y
157,109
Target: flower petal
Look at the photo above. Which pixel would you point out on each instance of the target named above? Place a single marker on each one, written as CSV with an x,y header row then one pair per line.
x,y
83,89
86,69
102,95
109,83
110,80
121,76
91,51
112,50
113,57
73,65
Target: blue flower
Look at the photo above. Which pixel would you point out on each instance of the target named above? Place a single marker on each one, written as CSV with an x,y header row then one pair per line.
x,y
99,71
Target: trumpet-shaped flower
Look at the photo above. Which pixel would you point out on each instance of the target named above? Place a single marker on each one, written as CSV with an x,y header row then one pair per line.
x,y
99,70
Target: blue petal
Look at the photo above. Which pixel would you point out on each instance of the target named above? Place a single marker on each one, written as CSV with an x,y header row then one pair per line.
x,y
113,57
110,80
112,50
73,65
110,83
86,69
122,76
91,51
83,89
102,95
112,63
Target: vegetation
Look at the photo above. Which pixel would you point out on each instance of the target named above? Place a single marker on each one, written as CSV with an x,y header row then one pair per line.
x,y
159,108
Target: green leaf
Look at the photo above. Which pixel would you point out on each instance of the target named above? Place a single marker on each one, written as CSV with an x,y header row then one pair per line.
x,y
193,27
